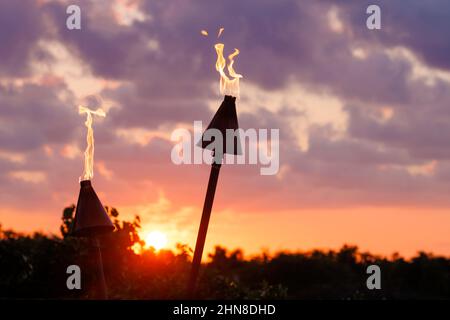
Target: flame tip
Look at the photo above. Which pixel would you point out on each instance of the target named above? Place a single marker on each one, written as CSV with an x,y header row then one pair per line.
x,y
221,29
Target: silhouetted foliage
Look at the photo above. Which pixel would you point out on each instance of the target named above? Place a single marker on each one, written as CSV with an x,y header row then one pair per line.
x,y
34,266
67,220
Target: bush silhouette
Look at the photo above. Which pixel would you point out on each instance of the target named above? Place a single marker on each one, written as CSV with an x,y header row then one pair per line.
x,y
34,266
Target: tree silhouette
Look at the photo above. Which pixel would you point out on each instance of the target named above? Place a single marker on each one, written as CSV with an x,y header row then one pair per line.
x,y
67,220
34,266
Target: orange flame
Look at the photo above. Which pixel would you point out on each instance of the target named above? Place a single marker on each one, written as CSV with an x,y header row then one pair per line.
x,y
88,172
227,86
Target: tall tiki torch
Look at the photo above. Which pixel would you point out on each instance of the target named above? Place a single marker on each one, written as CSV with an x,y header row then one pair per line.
x,y
91,219
224,119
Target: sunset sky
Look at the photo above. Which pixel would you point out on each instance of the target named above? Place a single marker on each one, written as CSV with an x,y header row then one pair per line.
x,y
364,119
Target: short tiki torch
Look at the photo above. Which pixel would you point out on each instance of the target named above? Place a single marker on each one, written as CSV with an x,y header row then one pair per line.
x,y
91,219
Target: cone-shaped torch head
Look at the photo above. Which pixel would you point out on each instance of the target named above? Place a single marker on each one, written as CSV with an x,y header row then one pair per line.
x,y
225,118
91,218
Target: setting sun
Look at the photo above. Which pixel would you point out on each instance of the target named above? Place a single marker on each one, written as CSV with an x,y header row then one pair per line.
x,y
156,239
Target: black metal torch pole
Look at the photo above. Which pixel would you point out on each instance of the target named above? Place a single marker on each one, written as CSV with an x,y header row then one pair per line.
x,y
225,118
102,290
200,244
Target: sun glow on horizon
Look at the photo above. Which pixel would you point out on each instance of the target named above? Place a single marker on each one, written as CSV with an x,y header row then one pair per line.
x,y
156,239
